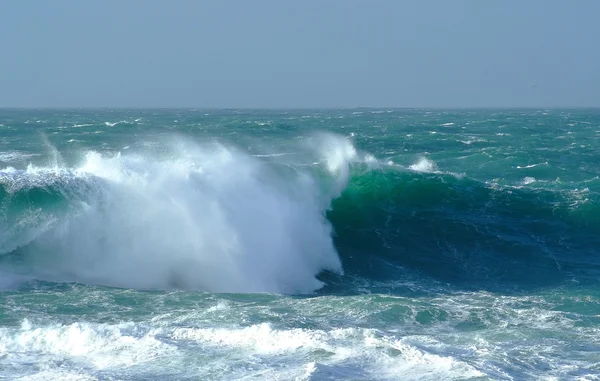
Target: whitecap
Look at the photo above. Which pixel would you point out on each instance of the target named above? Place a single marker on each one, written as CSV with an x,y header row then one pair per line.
x,y
532,165
528,180
423,165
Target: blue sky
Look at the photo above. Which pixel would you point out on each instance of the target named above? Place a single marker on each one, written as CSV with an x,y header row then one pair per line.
x,y
298,54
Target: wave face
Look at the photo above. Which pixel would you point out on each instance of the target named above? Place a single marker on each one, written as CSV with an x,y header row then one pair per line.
x,y
401,224
206,217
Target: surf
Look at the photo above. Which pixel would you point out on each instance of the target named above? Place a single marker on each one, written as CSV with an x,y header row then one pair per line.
x,y
204,216
214,217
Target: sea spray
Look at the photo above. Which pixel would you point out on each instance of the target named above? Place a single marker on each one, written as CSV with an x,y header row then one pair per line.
x,y
206,217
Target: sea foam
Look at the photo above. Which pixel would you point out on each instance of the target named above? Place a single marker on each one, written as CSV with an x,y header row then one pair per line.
x,y
206,217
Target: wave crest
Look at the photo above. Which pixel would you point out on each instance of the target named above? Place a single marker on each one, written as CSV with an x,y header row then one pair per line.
x,y
204,217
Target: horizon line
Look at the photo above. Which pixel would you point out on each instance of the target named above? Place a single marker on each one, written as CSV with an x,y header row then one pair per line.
x,y
326,108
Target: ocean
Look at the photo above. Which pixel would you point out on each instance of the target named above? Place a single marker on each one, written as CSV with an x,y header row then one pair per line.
x,y
359,244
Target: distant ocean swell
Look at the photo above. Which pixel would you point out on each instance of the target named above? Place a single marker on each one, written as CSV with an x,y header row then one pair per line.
x,y
212,217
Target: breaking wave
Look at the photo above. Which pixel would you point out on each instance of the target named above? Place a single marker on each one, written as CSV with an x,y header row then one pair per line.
x,y
215,218
194,216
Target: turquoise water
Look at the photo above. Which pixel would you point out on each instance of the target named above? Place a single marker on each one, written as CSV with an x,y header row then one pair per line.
x,y
299,245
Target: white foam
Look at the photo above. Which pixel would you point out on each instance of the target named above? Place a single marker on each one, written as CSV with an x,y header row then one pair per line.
x,y
112,124
469,142
531,165
348,351
97,345
201,217
337,154
259,338
528,180
80,351
423,165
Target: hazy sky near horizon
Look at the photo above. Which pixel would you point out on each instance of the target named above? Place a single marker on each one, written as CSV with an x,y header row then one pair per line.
x,y
297,54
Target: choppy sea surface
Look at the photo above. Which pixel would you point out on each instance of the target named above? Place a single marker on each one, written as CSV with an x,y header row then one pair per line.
x,y
299,245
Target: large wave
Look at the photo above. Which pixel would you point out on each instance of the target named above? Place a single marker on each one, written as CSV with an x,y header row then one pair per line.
x,y
213,217
194,216
416,225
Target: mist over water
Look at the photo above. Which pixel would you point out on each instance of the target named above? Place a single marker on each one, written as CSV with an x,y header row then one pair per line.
x,y
194,216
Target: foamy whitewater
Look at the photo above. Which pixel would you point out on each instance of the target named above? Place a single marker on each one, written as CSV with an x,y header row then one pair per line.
x,y
305,245
204,218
